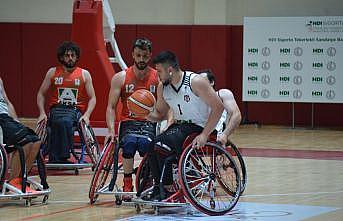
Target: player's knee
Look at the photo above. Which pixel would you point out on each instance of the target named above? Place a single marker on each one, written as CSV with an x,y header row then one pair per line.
x,y
129,145
144,146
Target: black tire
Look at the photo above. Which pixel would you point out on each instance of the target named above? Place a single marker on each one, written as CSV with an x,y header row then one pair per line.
x,y
3,164
115,167
144,179
202,176
102,170
236,154
92,146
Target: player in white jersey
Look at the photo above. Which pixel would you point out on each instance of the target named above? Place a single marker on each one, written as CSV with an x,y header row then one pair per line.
x,y
16,134
231,117
196,108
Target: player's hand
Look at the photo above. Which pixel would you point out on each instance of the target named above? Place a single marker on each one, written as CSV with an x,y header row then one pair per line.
x,y
199,141
42,118
85,118
222,139
109,137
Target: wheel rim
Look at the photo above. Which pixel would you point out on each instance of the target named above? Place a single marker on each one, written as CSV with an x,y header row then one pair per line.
x,y
211,184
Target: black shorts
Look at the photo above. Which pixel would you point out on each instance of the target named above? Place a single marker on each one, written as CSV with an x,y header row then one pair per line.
x,y
144,129
172,139
15,133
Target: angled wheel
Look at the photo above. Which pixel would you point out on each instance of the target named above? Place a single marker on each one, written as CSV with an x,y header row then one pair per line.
x,y
116,166
92,146
237,156
144,179
210,179
102,170
3,164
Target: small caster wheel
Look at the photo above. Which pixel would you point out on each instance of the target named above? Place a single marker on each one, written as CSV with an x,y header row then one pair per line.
x,y
138,208
118,201
156,210
76,171
28,202
45,199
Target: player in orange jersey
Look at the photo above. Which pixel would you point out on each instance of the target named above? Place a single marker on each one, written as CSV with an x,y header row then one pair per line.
x,y
72,100
135,133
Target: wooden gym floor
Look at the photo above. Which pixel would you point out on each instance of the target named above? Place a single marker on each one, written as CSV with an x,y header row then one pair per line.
x,y
293,174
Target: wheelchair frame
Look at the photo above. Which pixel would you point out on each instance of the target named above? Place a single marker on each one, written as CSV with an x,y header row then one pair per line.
x,y
10,192
181,198
88,144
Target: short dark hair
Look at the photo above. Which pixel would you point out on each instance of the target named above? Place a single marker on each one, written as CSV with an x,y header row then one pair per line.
x,y
167,57
68,46
209,74
143,44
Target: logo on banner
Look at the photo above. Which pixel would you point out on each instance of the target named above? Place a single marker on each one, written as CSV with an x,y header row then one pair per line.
x,y
265,65
331,51
265,79
298,65
252,51
317,93
330,94
297,94
252,65
284,79
252,92
317,65
285,51
318,51
331,66
265,51
285,65
317,80
284,93
252,78
297,79
265,93
298,51
330,80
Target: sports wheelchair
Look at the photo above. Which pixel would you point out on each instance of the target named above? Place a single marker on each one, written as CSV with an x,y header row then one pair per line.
x,y
10,192
86,142
208,178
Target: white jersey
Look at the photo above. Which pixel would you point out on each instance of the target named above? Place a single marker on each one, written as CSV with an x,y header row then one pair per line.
x,y
221,123
186,106
3,104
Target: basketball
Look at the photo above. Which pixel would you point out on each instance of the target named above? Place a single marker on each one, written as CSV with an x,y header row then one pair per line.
x,y
141,103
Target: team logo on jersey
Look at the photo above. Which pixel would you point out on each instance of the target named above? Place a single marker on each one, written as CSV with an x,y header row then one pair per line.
x,y
186,98
77,82
152,89
67,96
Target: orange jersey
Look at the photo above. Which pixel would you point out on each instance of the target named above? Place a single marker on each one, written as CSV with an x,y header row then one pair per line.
x,y
69,89
131,84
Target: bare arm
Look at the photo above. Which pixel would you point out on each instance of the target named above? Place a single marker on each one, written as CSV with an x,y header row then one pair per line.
x,y
41,94
113,97
203,89
233,114
10,106
91,94
161,108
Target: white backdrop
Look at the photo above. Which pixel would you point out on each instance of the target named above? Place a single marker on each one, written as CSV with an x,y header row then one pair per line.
x,y
293,59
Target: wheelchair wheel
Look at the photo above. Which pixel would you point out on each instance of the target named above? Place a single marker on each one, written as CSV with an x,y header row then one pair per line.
x,y
3,164
92,146
144,179
209,179
102,170
237,156
116,167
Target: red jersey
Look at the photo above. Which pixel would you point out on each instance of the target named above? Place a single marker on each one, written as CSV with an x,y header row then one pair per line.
x,y
131,84
69,89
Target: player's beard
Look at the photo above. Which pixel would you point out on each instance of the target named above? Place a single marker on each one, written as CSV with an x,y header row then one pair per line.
x,y
69,64
141,65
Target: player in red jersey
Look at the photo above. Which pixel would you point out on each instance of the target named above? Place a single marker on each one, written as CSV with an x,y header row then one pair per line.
x,y
135,133
72,100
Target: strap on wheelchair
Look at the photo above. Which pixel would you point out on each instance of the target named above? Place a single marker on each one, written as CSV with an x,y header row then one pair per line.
x,y
42,170
23,167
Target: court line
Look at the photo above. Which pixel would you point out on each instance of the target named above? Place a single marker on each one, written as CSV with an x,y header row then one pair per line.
x,y
290,194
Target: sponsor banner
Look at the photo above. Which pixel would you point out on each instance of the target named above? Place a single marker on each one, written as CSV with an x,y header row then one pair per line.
x,y
293,59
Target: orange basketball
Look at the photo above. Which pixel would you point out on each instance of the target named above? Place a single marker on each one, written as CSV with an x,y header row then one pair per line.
x,y
141,103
